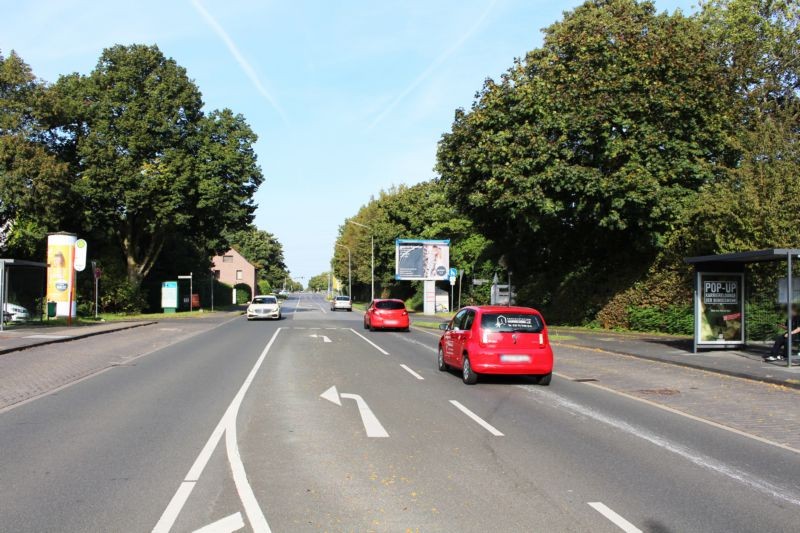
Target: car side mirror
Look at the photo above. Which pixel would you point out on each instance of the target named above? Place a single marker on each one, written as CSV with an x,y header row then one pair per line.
x,y
443,327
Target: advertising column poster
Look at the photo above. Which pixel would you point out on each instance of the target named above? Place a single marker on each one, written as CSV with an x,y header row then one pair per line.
x,y
60,278
720,317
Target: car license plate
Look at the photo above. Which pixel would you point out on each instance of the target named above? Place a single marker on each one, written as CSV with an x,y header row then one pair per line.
x,y
515,359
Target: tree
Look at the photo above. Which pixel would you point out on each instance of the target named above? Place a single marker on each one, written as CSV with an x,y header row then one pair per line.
x,y
34,184
581,159
150,166
318,282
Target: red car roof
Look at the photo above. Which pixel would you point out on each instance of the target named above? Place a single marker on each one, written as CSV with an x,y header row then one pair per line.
x,y
504,309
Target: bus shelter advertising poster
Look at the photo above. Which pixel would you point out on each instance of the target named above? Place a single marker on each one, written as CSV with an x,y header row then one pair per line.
x,y
60,264
721,301
421,260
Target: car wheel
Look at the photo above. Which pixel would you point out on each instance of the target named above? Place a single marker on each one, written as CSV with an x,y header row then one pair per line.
x,y
280,316
543,379
441,364
365,325
371,327
468,376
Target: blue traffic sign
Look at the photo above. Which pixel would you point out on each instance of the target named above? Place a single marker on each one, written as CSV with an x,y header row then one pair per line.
x,y
453,273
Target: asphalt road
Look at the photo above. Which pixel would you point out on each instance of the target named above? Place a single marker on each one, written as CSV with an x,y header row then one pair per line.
x,y
314,424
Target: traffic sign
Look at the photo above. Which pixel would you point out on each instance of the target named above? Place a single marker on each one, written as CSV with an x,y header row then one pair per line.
x,y
453,273
80,255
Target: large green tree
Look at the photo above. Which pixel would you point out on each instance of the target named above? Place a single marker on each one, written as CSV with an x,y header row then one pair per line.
x,y
581,159
150,165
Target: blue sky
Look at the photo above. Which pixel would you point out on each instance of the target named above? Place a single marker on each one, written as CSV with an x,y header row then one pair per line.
x,y
347,97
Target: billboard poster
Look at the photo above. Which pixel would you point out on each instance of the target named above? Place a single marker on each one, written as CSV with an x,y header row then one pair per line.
x,y
169,295
60,269
721,308
422,259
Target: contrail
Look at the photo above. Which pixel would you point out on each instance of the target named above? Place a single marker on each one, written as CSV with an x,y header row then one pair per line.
x,y
237,55
439,60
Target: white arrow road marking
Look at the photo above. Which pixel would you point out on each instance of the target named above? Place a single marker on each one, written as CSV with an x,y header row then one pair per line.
x,y
618,521
324,338
371,423
227,427
332,395
228,524
411,372
483,423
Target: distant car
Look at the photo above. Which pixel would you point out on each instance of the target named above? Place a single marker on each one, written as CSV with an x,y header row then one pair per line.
x,y
264,306
496,340
385,314
15,313
341,302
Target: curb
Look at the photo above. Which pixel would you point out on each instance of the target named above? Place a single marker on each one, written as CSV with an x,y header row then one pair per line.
x,y
721,371
76,337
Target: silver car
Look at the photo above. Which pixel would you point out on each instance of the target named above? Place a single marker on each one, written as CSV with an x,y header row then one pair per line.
x,y
341,302
15,313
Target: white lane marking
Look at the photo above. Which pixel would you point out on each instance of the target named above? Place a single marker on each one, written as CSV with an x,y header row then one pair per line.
x,y
324,338
406,338
685,415
616,519
483,423
372,425
174,507
411,372
384,352
228,524
694,456
227,426
437,335
48,336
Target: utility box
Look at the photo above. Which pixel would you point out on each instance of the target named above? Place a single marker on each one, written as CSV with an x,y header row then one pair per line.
x,y
169,296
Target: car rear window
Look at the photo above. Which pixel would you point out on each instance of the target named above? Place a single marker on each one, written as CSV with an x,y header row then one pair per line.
x,y
390,305
518,322
343,298
265,300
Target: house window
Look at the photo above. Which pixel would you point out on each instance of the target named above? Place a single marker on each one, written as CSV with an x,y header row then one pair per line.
x,y
239,275
216,274
227,259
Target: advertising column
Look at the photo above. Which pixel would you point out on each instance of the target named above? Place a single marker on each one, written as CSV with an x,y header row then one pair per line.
x,y
61,273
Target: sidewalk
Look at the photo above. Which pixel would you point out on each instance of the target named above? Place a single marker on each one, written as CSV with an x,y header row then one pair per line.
x,y
678,351
23,337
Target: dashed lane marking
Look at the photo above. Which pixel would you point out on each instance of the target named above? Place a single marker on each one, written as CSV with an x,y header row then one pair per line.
x,y
384,352
615,518
411,372
483,423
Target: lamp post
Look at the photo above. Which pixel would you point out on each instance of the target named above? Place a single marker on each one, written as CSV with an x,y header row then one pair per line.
x,y
349,272
372,242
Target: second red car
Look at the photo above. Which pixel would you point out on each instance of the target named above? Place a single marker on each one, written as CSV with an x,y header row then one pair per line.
x,y
386,314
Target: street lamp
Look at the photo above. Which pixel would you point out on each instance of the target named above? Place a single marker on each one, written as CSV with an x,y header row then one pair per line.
x,y
372,241
349,272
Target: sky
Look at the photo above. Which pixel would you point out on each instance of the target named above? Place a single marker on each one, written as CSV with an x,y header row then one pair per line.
x,y
348,97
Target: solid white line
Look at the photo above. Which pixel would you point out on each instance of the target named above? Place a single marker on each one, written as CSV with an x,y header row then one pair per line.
x,y
227,425
228,524
437,335
618,521
251,508
384,352
174,508
371,423
786,494
411,372
483,423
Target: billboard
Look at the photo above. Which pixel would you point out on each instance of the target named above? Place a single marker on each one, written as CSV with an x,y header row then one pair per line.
x,y
60,278
721,308
421,259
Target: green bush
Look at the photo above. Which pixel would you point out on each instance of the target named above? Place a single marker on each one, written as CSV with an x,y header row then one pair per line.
x,y
675,320
122,296
264,287
415,303
242,293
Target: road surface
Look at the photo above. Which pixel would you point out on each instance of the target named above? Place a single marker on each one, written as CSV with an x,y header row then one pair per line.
x,y
312,423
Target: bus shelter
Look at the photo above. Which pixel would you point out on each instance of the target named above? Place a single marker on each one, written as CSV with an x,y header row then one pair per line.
x,y
719,296
7,267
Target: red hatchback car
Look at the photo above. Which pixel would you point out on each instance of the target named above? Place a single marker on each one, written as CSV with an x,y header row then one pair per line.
x,y
383,314
497,340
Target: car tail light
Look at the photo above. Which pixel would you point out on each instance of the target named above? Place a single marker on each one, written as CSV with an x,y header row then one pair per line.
x,y
541,340
405,313
491,337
